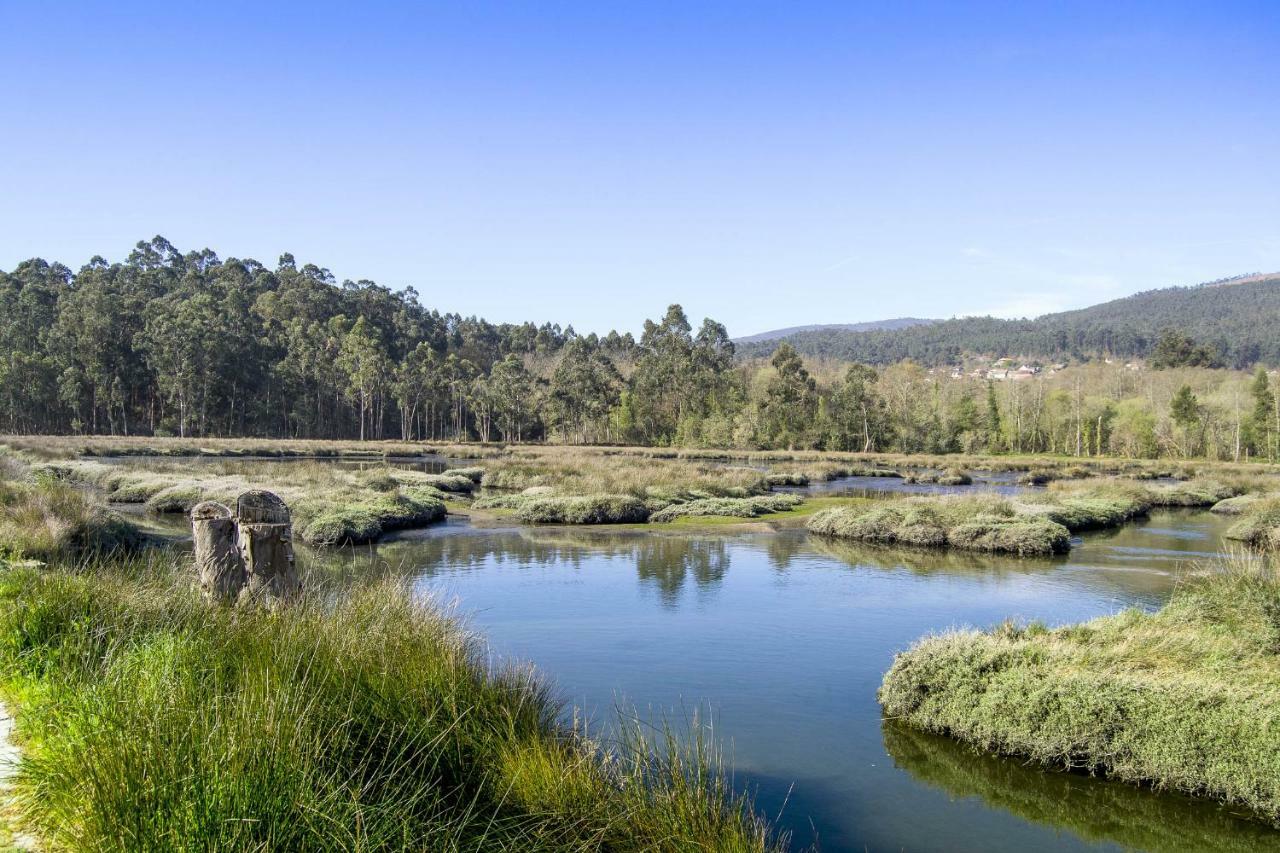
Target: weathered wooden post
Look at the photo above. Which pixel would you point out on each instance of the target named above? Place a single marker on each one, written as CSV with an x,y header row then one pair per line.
x,y
218,561
266,546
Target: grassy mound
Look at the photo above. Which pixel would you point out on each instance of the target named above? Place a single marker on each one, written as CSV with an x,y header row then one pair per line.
x,y
475,474
352,523
730,507
538,508
1235,506
1187,698
150,721
991,523
975,523
948,477
1260,524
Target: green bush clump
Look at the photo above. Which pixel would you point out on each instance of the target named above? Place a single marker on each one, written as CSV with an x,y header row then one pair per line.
x,y
180,498
364,521
731,507
151,721
1187,698
474,474
582,509
978,523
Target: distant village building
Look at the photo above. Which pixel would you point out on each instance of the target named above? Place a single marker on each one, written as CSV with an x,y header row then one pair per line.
x,y
1026,371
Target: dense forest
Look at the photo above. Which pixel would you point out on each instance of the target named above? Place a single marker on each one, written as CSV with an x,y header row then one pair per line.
x,y
1232,318
167,343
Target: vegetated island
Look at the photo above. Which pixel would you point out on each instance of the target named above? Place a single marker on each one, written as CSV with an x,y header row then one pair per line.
x,y
1184,699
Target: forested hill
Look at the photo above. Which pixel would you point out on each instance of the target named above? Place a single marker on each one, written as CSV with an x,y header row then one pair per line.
x,y
1238,318
777,334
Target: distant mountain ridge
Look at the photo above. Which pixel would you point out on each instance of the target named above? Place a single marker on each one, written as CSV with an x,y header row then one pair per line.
x,y
775,334
1238,316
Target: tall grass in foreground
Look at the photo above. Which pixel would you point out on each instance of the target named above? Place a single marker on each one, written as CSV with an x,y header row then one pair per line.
x,y
1187,698
368,721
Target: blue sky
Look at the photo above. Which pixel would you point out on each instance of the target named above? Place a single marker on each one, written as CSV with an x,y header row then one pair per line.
x,y
764,164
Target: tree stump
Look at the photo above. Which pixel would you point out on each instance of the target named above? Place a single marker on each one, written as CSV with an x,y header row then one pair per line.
x,y
219,564
266,547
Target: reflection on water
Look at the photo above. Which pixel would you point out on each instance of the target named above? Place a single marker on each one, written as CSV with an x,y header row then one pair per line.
x,y
999,482
1096,810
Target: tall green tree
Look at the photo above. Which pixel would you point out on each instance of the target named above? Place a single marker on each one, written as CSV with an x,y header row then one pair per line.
x,y
790,402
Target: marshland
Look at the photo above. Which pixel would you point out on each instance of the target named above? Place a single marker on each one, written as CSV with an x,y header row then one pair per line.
x,y
633,646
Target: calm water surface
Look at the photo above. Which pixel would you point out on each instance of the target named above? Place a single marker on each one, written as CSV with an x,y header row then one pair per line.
x,y
786,638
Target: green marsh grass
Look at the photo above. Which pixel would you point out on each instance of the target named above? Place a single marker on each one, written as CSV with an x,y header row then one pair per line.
x,y
1029,525
1185,699
330,505
365,720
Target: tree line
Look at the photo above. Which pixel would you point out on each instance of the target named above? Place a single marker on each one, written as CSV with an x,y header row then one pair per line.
x,y
189,344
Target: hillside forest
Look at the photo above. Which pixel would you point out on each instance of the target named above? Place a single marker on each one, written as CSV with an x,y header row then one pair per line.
x,y
190,344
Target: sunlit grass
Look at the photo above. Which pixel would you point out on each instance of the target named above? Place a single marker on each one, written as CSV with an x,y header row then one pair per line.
x,y
363,721
1186,698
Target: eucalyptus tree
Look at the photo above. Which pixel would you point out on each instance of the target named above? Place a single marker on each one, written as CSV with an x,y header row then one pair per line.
x,y
790,401
857,412
585,387
514,393
363,361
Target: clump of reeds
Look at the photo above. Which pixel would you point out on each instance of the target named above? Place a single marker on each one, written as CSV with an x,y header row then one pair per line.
x,y
151,721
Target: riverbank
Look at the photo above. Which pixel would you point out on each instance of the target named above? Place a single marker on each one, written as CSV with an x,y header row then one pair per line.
x,y
366,720
1186,698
